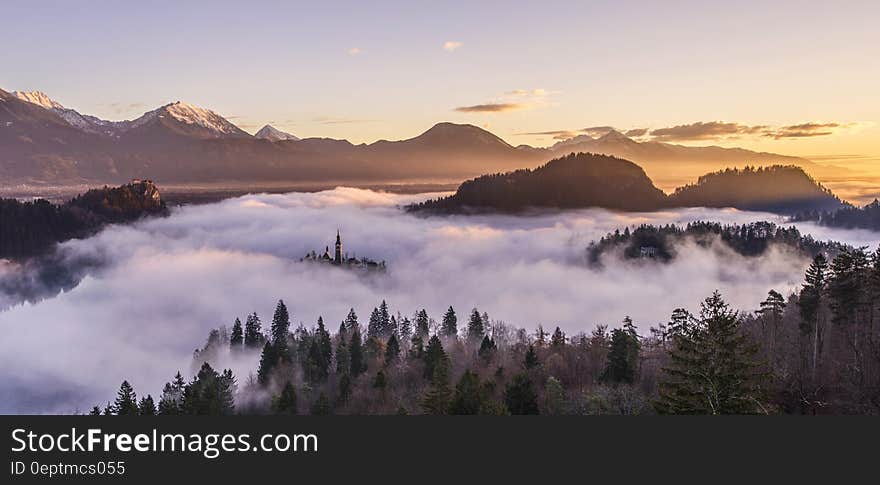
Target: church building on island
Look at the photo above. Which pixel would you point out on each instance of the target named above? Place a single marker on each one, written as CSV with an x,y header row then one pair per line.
x,y
338,258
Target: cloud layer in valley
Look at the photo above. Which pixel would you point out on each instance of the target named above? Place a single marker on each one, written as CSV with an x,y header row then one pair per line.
x,y
165,283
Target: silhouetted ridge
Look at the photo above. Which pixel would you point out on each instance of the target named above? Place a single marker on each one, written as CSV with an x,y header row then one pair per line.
x,y
850,217
574,181
783,189
32,228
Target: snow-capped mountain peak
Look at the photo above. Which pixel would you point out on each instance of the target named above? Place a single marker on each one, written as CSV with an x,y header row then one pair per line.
x,y
194,115
271,133
38,98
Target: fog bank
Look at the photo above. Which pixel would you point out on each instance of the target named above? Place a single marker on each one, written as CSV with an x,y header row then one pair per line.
x,y
162,284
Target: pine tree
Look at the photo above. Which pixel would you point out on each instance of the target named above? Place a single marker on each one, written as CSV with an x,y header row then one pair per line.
x,y
210,393
253,336
325,346
406,329
351,322
531,359
416,347
520,396
374,328
147,407
268,362
392,349
344,388
356,354
343,358
810,303
623,356
385,326
285,403
438,397
312,365
712,370
487,349
679,323
126,401
236,339
169,404
449,327
281,330
468,395
434,356
422,324
557,341
475,330
96,411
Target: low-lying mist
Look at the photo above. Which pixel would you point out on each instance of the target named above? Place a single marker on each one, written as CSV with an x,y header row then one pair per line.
x,y
154,289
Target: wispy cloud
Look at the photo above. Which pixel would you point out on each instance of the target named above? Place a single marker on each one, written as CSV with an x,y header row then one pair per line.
x,y
556,134
354,51
452,45
490,108
636,132
514,100
719,130
705,130
803,130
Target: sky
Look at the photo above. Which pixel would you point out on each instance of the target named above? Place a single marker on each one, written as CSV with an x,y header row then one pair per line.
x,y
790,77
137,304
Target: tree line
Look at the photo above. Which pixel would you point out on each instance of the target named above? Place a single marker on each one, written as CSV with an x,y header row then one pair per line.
x,y
752,239
816,351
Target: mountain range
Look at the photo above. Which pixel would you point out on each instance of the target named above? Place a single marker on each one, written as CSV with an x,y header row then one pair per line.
x,y
44,142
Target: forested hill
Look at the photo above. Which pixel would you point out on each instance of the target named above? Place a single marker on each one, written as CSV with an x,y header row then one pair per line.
x,y
867,217
574,181
784,189
32,228
754,239
585,180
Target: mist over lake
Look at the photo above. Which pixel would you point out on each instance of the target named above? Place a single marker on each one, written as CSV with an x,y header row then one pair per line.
x,y
164,283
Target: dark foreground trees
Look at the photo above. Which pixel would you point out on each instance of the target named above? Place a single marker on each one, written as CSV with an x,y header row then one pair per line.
x,y
712,369
814,351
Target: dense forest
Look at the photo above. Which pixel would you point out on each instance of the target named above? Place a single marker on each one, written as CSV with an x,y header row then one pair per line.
x,y
816,351
32,228
782,189
849,217
585,180
753,239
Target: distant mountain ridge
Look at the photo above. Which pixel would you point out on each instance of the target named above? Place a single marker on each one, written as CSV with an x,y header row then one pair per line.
x,y
587,180
271,133
44,142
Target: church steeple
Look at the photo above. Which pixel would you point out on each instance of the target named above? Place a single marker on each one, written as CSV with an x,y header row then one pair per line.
x,y
338,257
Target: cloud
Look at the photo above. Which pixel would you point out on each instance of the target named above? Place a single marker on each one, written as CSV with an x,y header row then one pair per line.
x,y
452,45
715,130
556,134
354,51
636,132
597,131
705,130
515,100
164,283
803,130
491,108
